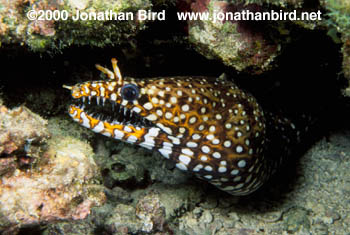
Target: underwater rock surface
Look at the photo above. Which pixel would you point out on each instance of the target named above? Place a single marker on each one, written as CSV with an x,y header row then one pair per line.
x,y
22,133
55,35
47,181
243,45
338,21
252,46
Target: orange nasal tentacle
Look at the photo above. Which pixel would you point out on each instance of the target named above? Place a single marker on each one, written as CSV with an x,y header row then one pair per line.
x,y
106,71
117,73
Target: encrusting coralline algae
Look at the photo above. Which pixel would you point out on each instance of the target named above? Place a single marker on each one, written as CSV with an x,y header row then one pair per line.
x,y
43,179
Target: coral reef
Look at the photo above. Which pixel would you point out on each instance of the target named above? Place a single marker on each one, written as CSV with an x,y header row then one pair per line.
x,y
123,220
154,209
346,63
279,3
59,126
57,181
151,212
338,13
123,164
59,185
54,35
244,45
22,134
253,46
73,228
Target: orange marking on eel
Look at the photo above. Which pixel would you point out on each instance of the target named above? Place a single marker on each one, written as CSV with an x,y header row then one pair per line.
x,y
72,109
93,121
137,133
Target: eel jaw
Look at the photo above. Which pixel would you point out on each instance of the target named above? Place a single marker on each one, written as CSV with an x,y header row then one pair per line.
x,y
112,119
107,111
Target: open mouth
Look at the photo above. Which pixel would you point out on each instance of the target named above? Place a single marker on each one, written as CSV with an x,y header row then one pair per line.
x,y
109,111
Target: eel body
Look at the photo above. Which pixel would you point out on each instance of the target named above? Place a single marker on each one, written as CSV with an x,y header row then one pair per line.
x,y
206,126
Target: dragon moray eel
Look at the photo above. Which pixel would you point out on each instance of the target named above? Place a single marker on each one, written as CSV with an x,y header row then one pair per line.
x,y
207,126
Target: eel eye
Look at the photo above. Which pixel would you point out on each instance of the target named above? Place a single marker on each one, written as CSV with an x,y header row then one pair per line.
x,y
130,92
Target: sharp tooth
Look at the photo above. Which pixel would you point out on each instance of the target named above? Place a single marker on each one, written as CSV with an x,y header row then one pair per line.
x,y
92,114
103,101
124,111
98,100
83,99
82,107
109,119
89,99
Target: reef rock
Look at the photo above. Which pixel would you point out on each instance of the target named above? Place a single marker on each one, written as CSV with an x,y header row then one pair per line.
x,y
19,127
243,45
59,184
20,23
22,133
338,23
150,210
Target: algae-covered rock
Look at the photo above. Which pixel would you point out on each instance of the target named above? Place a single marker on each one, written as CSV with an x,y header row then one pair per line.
x,y
73,228
19,128
280,3
346,63
253,46
20,23
22,135
338,21
339,15
126,164
150,210
61,184
176,199
243,45
296,219
59,126
123,220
